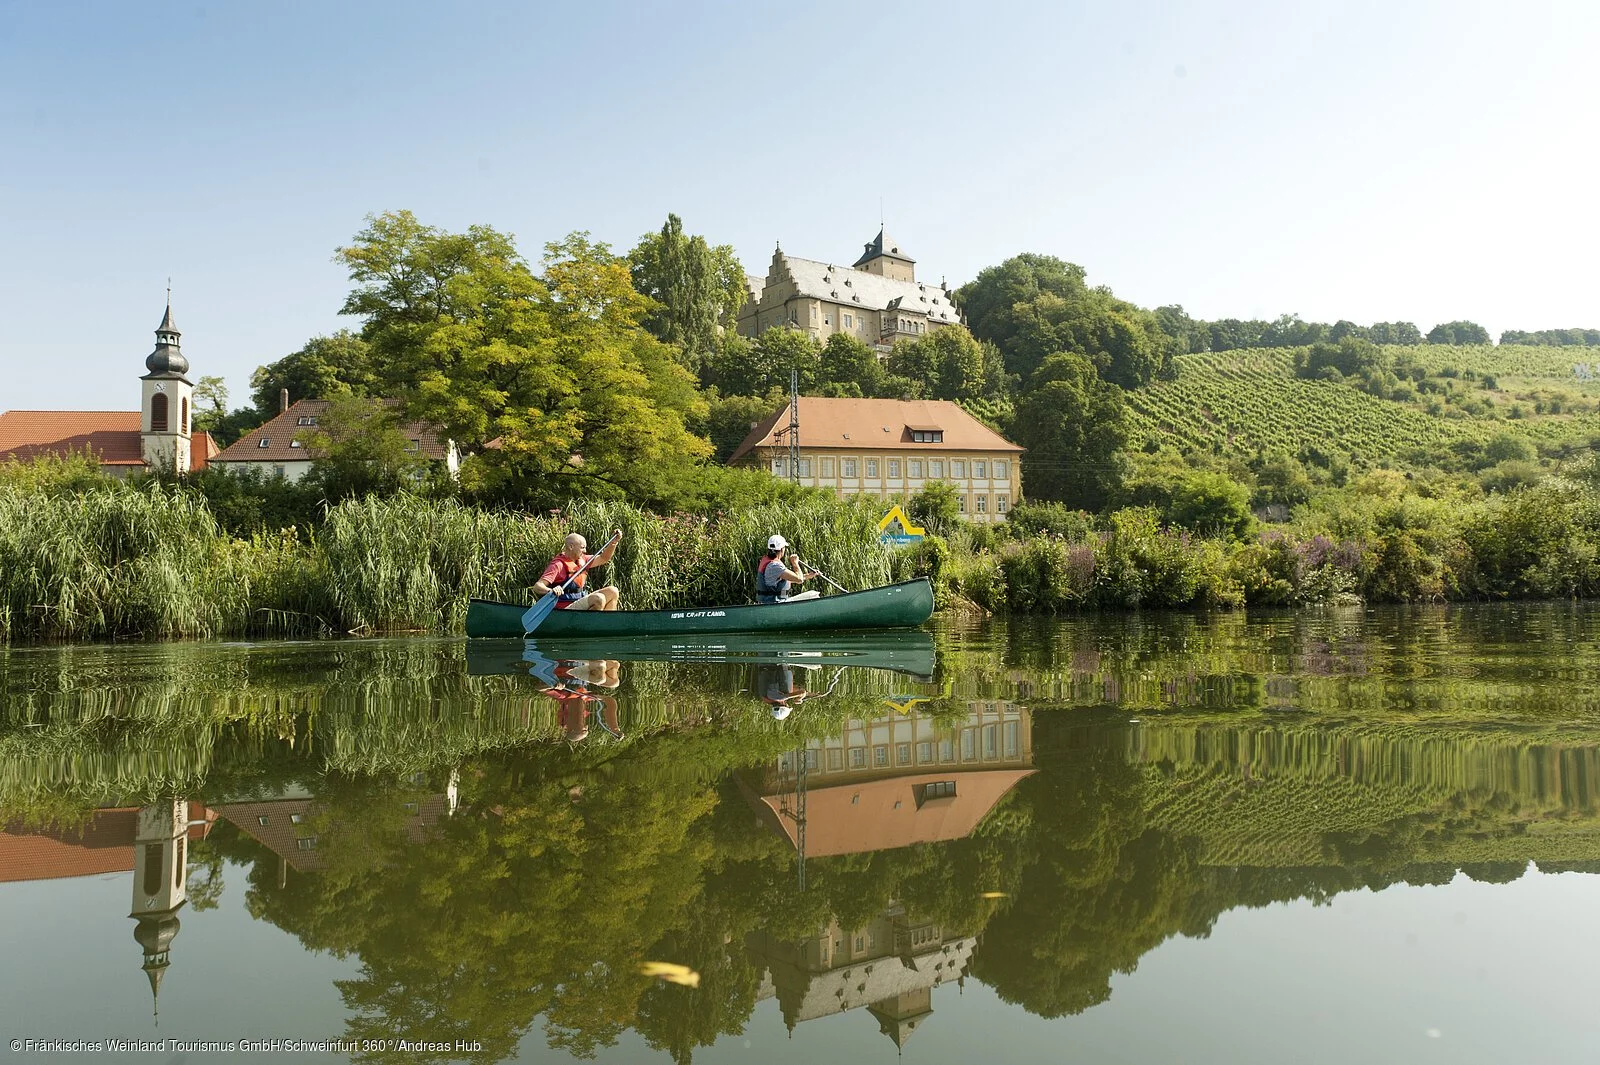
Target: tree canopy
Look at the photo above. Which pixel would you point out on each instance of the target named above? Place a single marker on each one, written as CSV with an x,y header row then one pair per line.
x,y
1072,424
696,288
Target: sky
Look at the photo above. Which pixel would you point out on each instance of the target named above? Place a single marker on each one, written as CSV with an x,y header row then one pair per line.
x,y
1371,161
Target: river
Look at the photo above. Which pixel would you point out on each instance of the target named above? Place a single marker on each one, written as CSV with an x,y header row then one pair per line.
x,y
1325,836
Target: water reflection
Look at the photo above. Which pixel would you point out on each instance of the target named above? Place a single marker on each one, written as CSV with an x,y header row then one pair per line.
x,y
497,836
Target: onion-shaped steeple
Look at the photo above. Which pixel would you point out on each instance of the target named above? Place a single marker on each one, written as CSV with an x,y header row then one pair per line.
x,y
167,360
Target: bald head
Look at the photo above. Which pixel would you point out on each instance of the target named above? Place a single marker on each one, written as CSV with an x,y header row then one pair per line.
x,y
576,545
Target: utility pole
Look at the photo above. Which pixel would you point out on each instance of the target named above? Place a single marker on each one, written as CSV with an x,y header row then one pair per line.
x,y
794,425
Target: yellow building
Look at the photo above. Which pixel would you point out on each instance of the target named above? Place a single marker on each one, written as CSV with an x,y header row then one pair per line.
x,y
891,447
878,300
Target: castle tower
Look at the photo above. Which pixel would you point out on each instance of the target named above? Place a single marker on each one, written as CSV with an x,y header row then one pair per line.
x,y
167,402
884,258
160,883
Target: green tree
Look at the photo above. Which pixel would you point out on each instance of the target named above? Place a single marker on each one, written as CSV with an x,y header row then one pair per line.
x,y
358,448
1187,335
1033,306
1350,356
936,507
1212,504
556,369
1230,334
697,288
729,419
1401,333
742,367
846,361
948,361
1458,332
325,367
1072,424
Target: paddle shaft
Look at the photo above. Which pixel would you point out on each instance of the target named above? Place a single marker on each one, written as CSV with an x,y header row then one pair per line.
x,y
825,577
534,616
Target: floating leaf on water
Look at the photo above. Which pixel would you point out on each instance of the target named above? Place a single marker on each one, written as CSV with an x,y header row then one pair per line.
x,y
671,972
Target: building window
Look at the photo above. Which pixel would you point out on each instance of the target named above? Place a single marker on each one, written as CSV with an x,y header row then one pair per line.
x,y
264,442
914,468
296,819
961,504
925,751
969,745
980,469
894,469
1012,740
858,758
158,413
278,471
902,754
305,419
1002,469
811,758
777,467
849,467
849,321
861,944
872,467
308,843
805,467
991,740
958,469
927,436
262,820
183,426
947,751
835,759
413,445
936,469
880,757
938,789
827,468
999,504
983,504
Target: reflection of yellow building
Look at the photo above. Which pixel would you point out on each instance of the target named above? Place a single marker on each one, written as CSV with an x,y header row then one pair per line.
x,y
898,780
890,966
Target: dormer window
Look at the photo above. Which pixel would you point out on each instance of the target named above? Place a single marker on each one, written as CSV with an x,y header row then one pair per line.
x,y
264,442
927,436
306,419
413,445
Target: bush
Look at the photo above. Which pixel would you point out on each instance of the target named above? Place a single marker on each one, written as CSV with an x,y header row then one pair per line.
x,y
1050,519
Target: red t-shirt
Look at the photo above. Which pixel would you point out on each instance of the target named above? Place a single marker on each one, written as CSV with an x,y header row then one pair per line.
x,y
560,569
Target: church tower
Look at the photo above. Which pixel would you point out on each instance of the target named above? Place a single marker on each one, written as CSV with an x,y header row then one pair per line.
x,y
160,881
168,397
884,258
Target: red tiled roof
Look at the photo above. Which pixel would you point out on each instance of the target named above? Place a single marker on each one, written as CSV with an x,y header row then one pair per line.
x,y
861,424
105,845
113,435
281,432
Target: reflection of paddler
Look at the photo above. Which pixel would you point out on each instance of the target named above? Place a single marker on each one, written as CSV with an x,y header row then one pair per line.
x,y
780,689
577,702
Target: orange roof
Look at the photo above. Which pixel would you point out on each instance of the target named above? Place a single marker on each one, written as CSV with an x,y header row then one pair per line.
x,y
871,424
877,815
105,845
113,435
281,432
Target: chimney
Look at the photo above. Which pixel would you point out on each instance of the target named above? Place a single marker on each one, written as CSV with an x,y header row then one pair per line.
x,y
283,400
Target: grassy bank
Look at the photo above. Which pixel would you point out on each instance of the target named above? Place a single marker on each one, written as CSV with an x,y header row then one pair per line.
x,y
121,562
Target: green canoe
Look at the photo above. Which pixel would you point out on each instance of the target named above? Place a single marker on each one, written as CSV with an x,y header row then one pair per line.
x,y
894,606
907,651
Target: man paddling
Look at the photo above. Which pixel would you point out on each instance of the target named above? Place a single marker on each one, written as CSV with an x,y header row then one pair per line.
x,y
562,573
774,578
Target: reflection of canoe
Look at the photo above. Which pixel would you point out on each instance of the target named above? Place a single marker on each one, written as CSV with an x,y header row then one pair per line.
x,y
908,652
894,606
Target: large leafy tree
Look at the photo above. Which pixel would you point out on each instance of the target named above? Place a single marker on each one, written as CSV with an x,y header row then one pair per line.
x,y
325,367
1072,424
1033,306
549,379
1460,332
696,287
949,362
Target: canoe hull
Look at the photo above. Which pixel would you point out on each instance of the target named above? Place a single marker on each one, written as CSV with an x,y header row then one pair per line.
x,y
894,606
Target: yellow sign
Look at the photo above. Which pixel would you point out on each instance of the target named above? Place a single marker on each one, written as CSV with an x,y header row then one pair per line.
x,y
904,706
908,533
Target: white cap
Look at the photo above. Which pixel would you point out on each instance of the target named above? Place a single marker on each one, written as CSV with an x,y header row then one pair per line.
x,y
781,712
776,542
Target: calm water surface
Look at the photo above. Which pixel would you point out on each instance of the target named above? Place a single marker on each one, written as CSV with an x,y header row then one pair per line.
x,y
1323,837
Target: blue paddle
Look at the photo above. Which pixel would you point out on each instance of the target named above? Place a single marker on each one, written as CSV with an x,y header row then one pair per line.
x,y
534,616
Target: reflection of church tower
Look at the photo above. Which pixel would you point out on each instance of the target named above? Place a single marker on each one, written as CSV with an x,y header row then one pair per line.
x,y
164,418
159,884
898,1017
